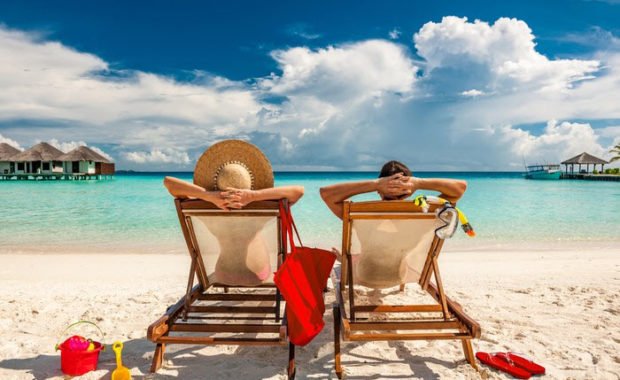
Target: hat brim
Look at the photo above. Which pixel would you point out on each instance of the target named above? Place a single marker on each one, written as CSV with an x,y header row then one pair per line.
x,y
228,151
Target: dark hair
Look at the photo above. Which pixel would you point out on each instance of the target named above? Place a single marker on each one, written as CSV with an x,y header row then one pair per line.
x,y
393,167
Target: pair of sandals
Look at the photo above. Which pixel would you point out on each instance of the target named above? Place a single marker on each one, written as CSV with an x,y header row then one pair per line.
x,y
511,363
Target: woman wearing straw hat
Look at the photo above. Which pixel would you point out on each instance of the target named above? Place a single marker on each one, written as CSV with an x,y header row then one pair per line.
x,y
231,174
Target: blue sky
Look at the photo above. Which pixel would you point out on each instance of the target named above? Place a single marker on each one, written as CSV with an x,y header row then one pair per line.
x,y
318,86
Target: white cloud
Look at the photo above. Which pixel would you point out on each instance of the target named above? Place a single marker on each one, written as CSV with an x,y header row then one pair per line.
x,y
80,97
166,156
343,74
101,152
301,30
472,93
394,33
505,50
610,131
558,141
67,146
11,142
596,37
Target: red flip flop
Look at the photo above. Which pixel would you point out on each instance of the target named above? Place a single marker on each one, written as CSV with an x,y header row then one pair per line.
x,y
502,365
521,362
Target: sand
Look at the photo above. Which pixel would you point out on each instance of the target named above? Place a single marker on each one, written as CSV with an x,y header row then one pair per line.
x,y
559,306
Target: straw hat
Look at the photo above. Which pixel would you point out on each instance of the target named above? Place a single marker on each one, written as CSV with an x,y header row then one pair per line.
x,y
233,163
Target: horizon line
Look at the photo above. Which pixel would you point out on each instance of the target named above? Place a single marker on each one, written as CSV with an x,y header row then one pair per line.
x,y
330,171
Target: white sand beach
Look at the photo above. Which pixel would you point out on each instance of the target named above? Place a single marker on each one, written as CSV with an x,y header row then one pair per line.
x,y
559,306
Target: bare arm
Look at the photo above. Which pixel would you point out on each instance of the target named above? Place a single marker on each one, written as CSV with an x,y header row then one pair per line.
x,y
183,189
231,198
397,186
451,189
179,188
335,195
239,198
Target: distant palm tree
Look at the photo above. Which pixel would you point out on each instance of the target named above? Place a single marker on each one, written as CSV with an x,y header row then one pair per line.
x,y
616,150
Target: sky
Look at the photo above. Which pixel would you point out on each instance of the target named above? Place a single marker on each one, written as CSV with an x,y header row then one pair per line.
x,y
451,85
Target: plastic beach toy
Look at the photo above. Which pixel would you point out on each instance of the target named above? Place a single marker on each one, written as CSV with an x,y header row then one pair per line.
x,y
77,354
77,343
120,373
449,214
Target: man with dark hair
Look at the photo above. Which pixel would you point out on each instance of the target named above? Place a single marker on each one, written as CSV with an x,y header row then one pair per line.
x,y
394,167
395,182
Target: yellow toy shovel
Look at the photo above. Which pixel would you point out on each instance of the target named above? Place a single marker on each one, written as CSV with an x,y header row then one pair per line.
x,y
120,373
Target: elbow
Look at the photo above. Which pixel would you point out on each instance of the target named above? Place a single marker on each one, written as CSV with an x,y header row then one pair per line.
x,y
298,192
167,182
462,186
324,194
170,185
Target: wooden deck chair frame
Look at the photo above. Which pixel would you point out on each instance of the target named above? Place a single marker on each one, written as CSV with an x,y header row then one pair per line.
x,y
263,319
351,328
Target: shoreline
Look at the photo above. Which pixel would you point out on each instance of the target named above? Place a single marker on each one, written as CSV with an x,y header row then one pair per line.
x,y
459,245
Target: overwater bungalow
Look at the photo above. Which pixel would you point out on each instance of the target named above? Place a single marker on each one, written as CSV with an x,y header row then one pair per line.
x,y
85,161
43,161
6,153
40,159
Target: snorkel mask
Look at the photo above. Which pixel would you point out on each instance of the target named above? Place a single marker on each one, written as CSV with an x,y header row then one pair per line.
x,y
449,215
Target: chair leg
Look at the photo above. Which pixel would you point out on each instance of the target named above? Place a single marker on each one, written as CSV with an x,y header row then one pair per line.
x,y
337,364
158,357
291,362
402,287
469,353
278,300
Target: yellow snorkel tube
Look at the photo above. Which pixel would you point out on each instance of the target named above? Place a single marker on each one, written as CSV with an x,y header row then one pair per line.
x,y
422,202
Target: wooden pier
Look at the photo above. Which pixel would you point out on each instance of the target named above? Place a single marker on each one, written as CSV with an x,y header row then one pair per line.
x,y
54,177
591,177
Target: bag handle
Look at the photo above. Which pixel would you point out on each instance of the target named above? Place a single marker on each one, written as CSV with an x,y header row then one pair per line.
x,y
101,333
288,225
286,229
292,223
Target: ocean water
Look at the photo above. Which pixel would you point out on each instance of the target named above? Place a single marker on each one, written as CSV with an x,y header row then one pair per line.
x,y
134,212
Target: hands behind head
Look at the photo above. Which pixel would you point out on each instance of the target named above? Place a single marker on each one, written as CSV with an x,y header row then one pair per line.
x,y
232,198
397,186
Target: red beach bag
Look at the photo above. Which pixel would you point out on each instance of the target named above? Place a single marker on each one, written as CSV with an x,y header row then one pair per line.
x,y
301,279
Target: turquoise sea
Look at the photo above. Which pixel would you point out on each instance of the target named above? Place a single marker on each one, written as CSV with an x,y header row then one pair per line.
x,y
134,212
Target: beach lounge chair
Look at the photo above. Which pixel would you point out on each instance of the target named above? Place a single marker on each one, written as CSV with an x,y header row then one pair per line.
x,y
389,244
235,302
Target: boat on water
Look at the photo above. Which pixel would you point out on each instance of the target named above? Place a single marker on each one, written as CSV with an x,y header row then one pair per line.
x,y
543,172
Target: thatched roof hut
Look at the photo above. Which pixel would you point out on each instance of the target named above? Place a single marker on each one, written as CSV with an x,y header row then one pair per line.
x,y
584,159
40,152
83,153
7,152
85,160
